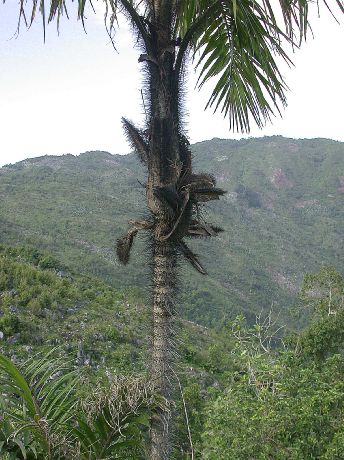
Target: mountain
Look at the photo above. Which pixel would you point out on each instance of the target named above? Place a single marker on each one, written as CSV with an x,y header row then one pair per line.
x,y
283,216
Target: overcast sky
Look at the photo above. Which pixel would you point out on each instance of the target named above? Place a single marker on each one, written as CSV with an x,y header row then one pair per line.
x,y
68,95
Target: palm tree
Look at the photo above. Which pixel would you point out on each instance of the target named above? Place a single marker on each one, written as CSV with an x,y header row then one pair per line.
x,y
235,43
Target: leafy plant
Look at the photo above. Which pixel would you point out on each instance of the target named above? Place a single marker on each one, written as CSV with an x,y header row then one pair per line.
x,y
38,398
43,417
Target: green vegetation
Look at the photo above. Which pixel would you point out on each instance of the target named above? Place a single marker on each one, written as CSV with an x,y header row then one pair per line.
x,y
41,308
44,417
240,47
282,215
250,391
286,403
52,306
102,331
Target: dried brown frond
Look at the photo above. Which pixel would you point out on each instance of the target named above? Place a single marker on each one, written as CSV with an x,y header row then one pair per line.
x,y
124,245
191,257
203,195
123,398
137,140
193,181
199,229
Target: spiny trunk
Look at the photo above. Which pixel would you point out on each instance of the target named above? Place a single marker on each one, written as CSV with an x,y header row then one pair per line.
x,y
164,279
173,195
167,159
163,171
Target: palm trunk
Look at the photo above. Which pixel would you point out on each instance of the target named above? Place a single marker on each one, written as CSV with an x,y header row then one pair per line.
x,y
166,159
164,277
163,173
173,195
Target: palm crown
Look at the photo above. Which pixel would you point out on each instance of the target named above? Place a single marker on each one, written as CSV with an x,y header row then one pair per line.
x,y
234,42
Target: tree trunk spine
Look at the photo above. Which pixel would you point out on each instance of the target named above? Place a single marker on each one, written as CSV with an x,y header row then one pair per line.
x,y
163,345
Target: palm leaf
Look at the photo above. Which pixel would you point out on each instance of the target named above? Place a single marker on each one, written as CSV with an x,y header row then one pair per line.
x,y
202,195
39,396
191,257
56,9
202,229
124,245
192,181
40,408
238,44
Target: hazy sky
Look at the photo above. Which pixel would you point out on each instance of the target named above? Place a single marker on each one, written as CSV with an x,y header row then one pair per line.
x,y
68,95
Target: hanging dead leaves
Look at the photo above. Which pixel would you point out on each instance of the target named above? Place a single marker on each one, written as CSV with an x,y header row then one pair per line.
x,y
182,199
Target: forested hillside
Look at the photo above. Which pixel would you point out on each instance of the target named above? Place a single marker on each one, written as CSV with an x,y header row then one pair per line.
x,y
103,332
283,216
247,393
43,305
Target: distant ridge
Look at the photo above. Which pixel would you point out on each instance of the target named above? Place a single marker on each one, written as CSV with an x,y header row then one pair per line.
x,y
283,215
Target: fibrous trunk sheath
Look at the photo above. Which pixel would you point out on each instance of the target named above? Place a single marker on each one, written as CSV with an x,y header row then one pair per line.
x,y
164,280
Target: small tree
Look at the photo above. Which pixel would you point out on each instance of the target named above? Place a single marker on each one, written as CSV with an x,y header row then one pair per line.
x,y
235,42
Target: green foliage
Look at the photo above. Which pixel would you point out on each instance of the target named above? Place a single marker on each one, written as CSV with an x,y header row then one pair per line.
x,y
101,327
294,414
10,324
43,418
323,295
37,401
238,44
247,396
283,403
52,306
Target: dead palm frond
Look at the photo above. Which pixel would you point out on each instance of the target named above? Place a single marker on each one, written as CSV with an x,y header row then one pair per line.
x,y
191,257
137,140
202,229
124,245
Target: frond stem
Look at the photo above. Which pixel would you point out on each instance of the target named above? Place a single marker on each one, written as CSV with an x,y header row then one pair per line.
x,y
136,18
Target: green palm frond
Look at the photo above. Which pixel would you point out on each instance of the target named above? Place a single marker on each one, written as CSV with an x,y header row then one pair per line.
x,y
54,10
236,43
48,10
42,416
239,44
39,398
